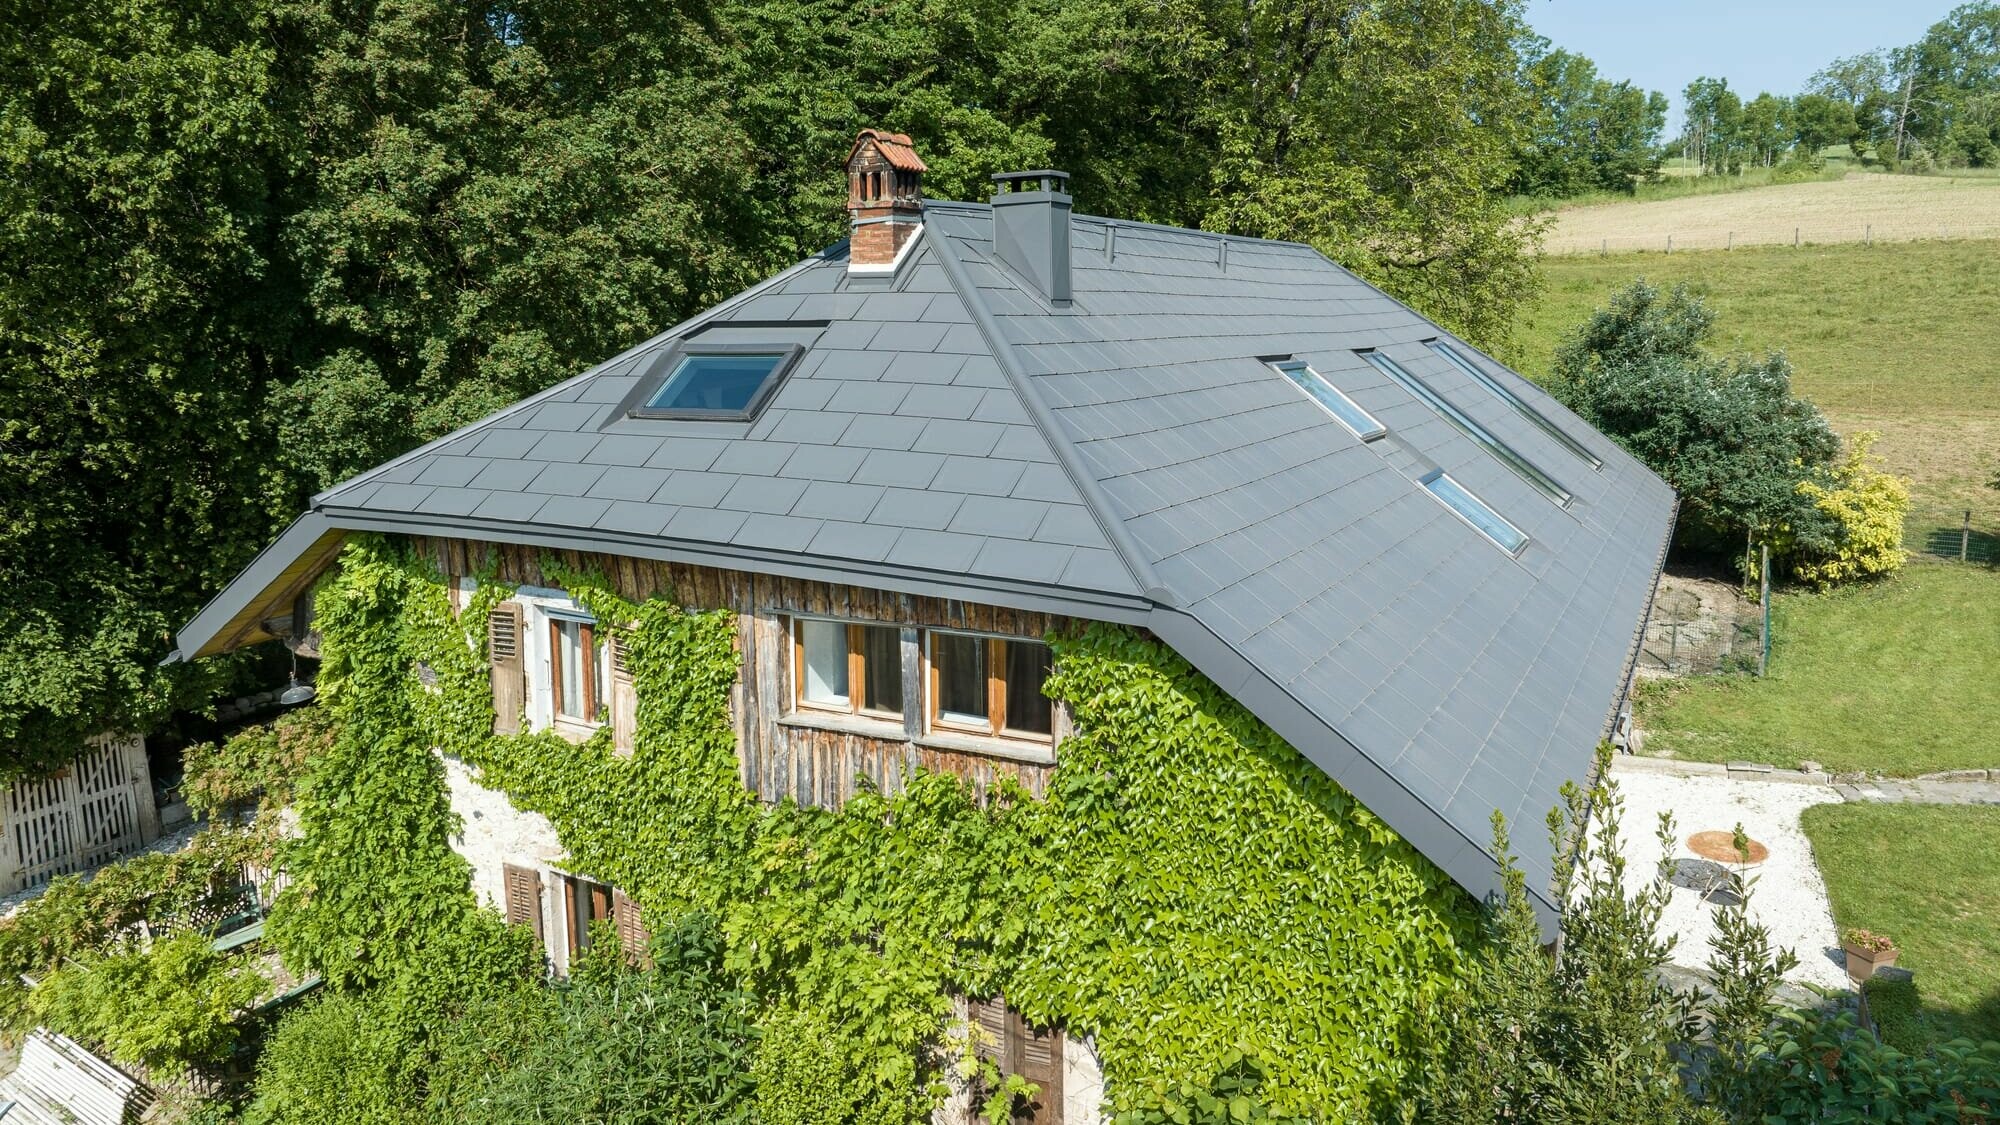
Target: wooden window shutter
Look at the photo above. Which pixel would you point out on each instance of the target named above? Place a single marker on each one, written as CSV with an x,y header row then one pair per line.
x,y
989,1019
523,886
509,666
1036,1055
624,699
632,935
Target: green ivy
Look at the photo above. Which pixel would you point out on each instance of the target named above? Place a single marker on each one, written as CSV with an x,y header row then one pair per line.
x,y
1192,892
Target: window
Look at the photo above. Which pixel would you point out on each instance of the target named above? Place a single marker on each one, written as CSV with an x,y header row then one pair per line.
x,y
717,381
1358,421
989,685
1542,482
846,666
1500,391
1475,512
584,902
577,676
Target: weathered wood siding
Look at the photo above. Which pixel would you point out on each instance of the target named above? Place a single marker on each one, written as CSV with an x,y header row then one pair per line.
x,y
813,765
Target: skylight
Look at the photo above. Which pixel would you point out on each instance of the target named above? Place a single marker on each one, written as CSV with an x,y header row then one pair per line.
x,y
1474,511
1361,423
1463,363
723,382
1543,483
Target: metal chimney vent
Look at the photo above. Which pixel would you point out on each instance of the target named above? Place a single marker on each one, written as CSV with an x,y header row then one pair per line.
x,y
1031,228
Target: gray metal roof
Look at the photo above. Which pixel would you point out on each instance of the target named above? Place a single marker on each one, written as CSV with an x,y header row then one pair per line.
x,y
1126,457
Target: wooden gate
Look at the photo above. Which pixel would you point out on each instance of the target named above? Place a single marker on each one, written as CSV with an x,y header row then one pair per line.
x,y
79,817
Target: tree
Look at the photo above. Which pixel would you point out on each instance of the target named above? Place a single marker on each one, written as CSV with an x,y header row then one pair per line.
x,y
1727,433
1714,117
1767,128
1820,121
1586,132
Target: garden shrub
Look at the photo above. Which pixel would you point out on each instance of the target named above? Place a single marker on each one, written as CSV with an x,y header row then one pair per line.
x,y
1867,507
168,1007
76,917
1823,1067
263,761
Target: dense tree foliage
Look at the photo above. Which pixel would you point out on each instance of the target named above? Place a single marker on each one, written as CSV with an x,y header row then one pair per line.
x,y
1726,432
1936,101
1586,132
249,247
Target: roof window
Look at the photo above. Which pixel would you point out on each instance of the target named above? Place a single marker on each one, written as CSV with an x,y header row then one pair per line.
x,y
1475,511
1500,391
1543,483
1358,421
718,381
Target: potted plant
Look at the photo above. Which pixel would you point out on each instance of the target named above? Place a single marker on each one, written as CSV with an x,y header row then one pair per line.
x,y
1866,952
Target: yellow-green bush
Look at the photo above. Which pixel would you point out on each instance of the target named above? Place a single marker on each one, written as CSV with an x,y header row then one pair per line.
x,y
1869,506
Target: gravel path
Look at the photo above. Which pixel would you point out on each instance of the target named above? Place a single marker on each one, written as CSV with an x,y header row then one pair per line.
x,y
1789,895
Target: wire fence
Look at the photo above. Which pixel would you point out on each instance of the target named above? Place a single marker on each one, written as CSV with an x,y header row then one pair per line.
x,y
1957,534
1794,235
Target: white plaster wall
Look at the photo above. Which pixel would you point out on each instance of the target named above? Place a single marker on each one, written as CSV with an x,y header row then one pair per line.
x,y
1083,1083
493,833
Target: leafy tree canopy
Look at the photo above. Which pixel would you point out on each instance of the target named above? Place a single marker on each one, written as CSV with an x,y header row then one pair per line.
x,y
248,247
1726,432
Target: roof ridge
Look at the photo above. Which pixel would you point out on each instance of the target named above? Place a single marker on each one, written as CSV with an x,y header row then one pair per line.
x,y
1086,484
678,328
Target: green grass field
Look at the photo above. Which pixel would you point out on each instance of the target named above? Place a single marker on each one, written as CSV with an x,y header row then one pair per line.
x,y
1902,338
1924,875
1897,677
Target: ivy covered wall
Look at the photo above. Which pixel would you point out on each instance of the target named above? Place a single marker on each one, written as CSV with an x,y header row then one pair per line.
x,y
1190,890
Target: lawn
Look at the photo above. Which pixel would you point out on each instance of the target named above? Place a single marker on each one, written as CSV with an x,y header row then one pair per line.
x,y
1897,338
1896,677
1924,875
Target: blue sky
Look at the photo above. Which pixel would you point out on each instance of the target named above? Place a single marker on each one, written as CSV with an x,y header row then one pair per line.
x,y
1756,44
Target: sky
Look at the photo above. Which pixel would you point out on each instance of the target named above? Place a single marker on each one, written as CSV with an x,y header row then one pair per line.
x,y
1757,45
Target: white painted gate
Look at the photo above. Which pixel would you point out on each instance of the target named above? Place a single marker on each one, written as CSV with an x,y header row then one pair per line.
x,y
94,811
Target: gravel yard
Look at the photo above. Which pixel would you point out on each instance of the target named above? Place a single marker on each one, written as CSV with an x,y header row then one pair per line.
x,y
1789,895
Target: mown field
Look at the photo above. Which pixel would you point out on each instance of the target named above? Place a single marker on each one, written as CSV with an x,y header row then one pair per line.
x,y
1854,208
1924,875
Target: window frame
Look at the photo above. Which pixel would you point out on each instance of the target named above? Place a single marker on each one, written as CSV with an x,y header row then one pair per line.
x,y
857,669
997,687
1527,470
1287,364
1429,482
591,679
667,362
1505,394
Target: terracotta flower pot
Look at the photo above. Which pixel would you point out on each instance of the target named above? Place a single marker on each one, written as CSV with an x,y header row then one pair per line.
x,y
1862,962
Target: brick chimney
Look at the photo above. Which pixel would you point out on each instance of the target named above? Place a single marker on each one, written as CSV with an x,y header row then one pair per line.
x,y
885,199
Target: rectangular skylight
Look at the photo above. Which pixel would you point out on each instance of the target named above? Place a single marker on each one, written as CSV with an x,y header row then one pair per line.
x,y
1500,391
1358,421
1475,512
721,383
1543,483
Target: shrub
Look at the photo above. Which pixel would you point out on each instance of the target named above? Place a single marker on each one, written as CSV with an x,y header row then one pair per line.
x,y
1728,434
169,1007
1823,1067
259,761
804,1074
1866,508
339,1058
1232,1097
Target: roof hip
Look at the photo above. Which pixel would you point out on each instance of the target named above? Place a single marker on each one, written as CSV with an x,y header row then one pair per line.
x,y
1085,482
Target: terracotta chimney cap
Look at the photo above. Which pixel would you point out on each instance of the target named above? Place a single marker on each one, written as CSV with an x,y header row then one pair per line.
x,y
894,147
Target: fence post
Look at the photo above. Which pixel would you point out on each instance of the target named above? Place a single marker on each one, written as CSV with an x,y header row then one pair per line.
x,y
1604,249
1764,596
1869,238
1732,241
1965,535
1795,238
1670,244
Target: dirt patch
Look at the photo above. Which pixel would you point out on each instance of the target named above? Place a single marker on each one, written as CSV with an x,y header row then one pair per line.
x,y
1701,624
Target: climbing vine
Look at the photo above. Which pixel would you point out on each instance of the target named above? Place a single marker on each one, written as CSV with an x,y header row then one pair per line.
x,y
1191,892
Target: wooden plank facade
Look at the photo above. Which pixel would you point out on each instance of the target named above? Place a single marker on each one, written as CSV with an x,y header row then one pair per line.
x,y
781,754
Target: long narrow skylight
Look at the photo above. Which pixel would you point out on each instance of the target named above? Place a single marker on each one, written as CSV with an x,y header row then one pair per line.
x,y
1543,482
1475,512
1358,421
1500,391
